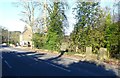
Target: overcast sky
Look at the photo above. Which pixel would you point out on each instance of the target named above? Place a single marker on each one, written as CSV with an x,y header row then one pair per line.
x,y
10,15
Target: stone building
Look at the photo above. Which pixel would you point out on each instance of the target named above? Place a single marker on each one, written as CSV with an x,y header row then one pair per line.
x,y
26,36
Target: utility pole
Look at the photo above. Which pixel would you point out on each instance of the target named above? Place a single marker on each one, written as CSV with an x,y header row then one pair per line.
x,y
1,36
45,15
119,27
8,37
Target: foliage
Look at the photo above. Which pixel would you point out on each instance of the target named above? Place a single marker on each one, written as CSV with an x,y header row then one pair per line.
x,y
112,39
38,39
3,35
14,37
87,14
55,31
94,28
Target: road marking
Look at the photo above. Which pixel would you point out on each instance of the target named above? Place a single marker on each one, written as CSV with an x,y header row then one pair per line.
x,y
32,54
19,55
8,64
36,59
58,67
54,65
22,55
29,54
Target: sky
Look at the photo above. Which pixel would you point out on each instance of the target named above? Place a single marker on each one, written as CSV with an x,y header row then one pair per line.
x,y
10,15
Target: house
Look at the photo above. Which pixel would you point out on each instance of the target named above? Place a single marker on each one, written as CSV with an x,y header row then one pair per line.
x,y
26,36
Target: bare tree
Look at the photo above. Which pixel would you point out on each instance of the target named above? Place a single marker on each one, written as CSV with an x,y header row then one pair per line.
x,y
30,13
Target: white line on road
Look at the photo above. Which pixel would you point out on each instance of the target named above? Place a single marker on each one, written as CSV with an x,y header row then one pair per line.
x,y
8,64
19,55
58,67
36,59
55,66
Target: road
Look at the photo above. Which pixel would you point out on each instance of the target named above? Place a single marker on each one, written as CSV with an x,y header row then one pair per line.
x,y
16,62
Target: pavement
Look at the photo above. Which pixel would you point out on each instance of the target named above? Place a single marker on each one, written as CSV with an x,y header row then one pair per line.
x,y
19,62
